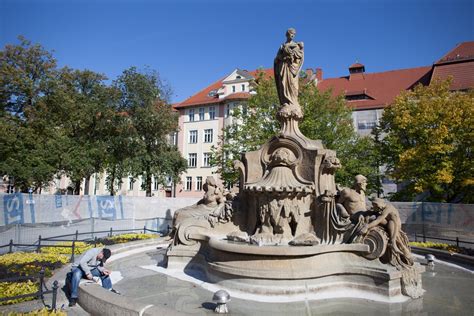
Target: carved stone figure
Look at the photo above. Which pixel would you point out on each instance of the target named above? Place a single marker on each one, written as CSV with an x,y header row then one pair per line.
x,y
287,65
351,202
398,251
389,218
212,193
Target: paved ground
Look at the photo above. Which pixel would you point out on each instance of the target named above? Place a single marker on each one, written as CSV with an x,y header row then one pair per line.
x,y
448,292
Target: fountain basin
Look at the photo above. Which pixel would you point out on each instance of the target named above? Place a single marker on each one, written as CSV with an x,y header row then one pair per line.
x,y
321,271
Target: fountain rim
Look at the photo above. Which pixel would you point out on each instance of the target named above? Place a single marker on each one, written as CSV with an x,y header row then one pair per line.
x,y
223,244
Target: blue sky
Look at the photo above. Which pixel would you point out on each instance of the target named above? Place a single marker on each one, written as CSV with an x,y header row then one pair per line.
x,y
194,43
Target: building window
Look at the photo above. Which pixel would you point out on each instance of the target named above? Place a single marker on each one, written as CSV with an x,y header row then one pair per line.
x,y
189,183
212,112
155,184
173,139
244,109
206,161
193,136
192,160
169,181
191,115
131,181
198,183
243,87
366,120
208,135
233,88
227,110
201,114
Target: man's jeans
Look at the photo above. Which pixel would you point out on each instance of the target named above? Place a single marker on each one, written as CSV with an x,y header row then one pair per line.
x,y
78,274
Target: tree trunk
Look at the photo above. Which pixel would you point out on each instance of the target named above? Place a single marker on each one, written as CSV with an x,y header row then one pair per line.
x,y
111,183
148,184
87,185
77,187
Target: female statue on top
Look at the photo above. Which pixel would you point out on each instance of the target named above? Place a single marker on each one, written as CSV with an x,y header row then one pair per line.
x,y
287,66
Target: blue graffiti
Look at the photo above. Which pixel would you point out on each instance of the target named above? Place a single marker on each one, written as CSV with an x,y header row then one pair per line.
x,y
13,205
58,201
106,207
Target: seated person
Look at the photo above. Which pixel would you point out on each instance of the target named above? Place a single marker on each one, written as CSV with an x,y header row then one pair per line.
x,y
91,264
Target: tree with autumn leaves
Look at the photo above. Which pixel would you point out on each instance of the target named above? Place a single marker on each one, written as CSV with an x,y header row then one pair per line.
x,y
427,143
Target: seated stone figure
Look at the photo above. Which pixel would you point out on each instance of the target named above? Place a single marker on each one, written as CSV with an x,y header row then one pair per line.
x,y
212,193
213,208
351,201
387,216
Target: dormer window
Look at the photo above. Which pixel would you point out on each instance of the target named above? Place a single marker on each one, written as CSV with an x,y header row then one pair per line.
x,y
238,77
356,71
356,68
212,93
358,95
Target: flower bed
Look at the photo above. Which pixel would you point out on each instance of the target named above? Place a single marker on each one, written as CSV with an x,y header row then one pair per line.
x,y
26,264
441,246
79,248
120,239
40,312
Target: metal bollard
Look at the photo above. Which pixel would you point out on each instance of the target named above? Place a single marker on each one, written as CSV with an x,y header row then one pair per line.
x,y
73,250
110,234
41,281
38,248
55,293
10,248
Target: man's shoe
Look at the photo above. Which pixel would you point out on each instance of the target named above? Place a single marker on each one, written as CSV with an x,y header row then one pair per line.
x,y
115,291
72,302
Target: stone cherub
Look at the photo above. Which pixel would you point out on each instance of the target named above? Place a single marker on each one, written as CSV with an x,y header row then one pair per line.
x,y
215,198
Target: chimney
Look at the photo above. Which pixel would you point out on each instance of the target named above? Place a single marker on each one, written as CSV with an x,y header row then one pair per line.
x,y
319,74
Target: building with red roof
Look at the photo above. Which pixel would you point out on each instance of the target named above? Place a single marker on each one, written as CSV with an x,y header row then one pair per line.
x,y
203,115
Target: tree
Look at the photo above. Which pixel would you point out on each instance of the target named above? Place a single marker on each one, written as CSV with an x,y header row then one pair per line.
x,y
428,143
25,73
81,107
28,152
325,117
144,99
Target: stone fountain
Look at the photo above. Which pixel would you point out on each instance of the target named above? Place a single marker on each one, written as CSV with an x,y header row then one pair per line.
x,y
289,229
